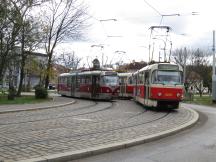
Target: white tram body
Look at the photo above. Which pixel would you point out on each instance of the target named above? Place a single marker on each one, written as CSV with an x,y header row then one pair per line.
x,y
125,85
95,84
159,85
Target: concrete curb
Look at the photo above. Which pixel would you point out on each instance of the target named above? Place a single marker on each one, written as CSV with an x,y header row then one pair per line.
x,y
38,108
67,156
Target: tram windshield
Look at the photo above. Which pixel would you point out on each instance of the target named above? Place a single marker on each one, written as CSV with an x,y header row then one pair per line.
x,y
110,80
166,77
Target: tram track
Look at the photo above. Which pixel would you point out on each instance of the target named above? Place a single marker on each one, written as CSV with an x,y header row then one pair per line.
x,y
66,116
36,128
80,135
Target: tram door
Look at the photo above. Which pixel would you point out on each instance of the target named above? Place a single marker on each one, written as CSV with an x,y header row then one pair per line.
x,y
146,87
73,85
95,85
122,86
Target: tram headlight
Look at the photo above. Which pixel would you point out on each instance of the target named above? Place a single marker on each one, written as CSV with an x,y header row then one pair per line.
x,y
159,94
178,95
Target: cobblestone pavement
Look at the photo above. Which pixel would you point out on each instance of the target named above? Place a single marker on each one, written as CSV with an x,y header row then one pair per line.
x,y
85,124
56,101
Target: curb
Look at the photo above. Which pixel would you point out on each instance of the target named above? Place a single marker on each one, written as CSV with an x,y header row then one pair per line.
x,y
38,108
67,156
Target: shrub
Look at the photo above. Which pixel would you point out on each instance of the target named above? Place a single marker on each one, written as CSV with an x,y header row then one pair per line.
x,y
40,92
11,93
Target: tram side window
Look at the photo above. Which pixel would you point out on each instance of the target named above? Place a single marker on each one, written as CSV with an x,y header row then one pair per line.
x,y
68,81
88,80
146,77
134,79
62,80
141,78
78,82
130,81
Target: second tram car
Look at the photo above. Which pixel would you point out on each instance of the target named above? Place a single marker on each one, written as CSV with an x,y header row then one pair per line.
x,y
95,84
125,84
159,85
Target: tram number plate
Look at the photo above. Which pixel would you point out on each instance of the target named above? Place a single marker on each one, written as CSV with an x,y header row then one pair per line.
x,y
168,94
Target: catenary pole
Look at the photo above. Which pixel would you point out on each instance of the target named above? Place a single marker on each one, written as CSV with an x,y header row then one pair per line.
x,y
213,71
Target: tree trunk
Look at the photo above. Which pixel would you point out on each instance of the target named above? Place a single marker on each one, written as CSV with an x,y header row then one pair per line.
x,y
23,57
47,79
21,78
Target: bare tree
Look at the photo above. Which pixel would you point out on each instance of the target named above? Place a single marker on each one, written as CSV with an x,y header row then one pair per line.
x,y
69,60
64,19
181,56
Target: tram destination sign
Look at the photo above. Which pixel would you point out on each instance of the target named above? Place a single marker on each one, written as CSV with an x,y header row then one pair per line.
x,y
168,67
110,73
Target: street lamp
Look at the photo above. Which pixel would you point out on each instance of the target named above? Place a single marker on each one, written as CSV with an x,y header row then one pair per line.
x,y
168,15
108,20
177,14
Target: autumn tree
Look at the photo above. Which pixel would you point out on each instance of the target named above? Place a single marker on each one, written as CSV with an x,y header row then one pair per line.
x,y
63,19
13,15
197,71
9,30
199,63
30,39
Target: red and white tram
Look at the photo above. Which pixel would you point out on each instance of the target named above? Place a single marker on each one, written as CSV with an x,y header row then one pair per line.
x,y
95,84
125,84
159,85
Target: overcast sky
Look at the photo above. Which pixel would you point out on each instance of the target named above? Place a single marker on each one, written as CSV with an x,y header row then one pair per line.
x,y
130,33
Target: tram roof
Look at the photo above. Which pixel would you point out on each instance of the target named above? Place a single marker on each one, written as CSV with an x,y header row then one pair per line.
x,y
67,74
124,74
155,66
95,72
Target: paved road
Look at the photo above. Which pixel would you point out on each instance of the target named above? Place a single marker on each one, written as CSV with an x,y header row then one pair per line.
x,y
197,144
86,124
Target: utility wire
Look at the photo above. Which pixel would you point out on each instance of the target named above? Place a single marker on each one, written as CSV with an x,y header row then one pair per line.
x,y
152,7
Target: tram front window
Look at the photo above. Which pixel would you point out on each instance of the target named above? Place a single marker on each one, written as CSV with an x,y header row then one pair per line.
x,y
110,80
167,77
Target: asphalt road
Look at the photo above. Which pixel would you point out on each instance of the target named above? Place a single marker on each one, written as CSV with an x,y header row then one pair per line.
x,y
197,144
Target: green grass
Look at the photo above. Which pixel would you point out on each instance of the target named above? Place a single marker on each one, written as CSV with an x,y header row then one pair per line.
x,y
21,100
204,100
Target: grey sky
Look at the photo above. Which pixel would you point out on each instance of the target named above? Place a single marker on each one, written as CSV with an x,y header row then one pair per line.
x,y
134,19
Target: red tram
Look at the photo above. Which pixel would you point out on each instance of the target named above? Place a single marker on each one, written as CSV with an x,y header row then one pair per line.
x,y
95,84
125,84
159,85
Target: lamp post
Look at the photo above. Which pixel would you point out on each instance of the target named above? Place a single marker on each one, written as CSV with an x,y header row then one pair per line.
x,y
213,71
